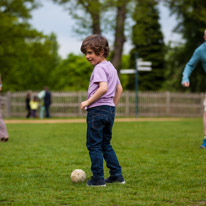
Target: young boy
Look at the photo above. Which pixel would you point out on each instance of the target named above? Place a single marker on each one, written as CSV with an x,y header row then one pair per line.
x,y
103,95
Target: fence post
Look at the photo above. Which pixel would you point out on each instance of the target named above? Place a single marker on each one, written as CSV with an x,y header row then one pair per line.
x,y
126,103
202,97
168,101
8,104
80,94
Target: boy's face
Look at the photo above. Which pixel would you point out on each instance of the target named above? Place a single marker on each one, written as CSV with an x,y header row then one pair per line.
x,y
93,58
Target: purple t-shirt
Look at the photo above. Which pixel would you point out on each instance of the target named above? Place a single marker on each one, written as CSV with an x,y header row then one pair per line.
x,y
103,72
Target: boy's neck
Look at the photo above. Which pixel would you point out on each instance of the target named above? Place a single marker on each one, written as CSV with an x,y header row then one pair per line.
x,y
103,60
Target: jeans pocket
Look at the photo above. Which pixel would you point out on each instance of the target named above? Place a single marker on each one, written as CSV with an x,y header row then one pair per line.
x,y
98,120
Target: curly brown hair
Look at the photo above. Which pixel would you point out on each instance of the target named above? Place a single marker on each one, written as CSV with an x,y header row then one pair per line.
x,y
97,43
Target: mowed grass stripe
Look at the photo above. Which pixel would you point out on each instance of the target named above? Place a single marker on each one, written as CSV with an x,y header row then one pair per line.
x,y
54,121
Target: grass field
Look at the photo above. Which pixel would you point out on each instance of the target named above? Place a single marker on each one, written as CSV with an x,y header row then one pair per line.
x,y
161,162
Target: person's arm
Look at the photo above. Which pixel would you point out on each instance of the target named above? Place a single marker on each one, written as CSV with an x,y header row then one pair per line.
x,y
0,82
99,93
190,66
118,94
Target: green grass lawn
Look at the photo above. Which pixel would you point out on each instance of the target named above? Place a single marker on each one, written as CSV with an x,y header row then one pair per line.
x,y
162,164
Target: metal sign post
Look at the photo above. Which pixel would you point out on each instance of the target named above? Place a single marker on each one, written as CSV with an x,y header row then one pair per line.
x,y
136,84
140,65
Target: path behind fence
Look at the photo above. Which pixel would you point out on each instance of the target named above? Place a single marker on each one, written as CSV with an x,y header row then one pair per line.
x,y
150,104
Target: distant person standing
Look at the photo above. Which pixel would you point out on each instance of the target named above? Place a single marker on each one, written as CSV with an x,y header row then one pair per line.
x,y
34,106
199,55
41,96
47,101
27,101
3,131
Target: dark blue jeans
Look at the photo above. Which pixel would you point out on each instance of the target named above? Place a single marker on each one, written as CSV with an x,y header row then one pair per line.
x,y
99,134
47,110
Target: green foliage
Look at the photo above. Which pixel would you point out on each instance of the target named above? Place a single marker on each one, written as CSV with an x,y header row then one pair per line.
x,y
73,73
40,62
173,74
165,168
18,8
147,39
123,77
26,55
191,15
87,14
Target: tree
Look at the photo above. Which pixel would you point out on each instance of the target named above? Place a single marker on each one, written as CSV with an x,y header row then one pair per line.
x,y
14,29
87,14
26,55
147,39
39,63
70,73
96,10
119,33
191,15
174,68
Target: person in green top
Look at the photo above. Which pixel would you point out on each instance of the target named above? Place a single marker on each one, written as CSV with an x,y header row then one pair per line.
x,y
199,55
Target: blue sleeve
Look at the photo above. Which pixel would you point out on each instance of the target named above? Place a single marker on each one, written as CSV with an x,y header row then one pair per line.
x,y
190,66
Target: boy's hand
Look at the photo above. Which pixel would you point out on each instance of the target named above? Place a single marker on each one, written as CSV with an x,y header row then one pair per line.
x,y
185,84
84,104
99,93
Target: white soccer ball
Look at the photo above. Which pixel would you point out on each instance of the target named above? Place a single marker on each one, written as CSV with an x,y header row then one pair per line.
x,y
78,175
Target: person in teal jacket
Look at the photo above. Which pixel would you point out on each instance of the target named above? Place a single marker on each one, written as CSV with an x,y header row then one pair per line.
x,y
199,55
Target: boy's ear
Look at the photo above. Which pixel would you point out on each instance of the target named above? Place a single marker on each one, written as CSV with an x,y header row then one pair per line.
x,y
102,52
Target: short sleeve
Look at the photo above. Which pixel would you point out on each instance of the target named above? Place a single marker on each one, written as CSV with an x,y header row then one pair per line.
x,y
99,75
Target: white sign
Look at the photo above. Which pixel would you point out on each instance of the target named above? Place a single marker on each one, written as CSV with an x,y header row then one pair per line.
x,y
146,69
144,65
141,66
127,71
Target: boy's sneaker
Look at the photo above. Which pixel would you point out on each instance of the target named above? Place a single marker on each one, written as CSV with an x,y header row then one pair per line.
x,y
203,146
96,182
113,179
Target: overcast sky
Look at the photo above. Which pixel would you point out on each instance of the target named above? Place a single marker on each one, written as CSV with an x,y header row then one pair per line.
x,y
53,18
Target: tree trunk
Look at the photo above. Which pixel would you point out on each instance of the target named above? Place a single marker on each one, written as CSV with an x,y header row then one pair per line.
x,y
119,35
93,8
96,23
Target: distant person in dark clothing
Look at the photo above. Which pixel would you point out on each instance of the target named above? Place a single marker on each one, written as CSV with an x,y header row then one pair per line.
x,y
47,101
28,108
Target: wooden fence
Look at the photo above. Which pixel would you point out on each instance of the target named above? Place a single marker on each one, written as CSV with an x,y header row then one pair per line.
x,y
150,104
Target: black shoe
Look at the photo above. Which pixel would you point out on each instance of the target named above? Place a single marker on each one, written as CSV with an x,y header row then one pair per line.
x,y
96,182
4,139
113,179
